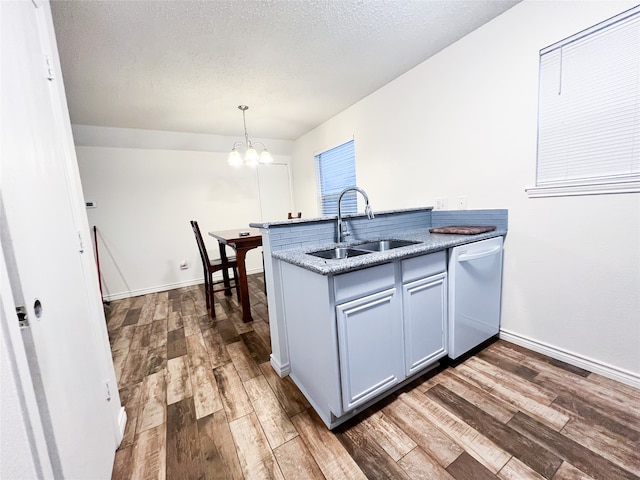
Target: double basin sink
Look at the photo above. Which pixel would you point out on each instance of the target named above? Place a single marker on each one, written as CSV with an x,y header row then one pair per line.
x,y
362,249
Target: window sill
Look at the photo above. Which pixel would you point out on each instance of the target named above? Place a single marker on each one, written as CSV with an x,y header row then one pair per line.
x,y
631,186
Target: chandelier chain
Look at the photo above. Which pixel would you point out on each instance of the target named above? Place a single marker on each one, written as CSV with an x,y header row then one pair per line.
x,y
244,108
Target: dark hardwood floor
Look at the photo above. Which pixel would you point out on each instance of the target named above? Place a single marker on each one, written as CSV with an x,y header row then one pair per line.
x,y
204,402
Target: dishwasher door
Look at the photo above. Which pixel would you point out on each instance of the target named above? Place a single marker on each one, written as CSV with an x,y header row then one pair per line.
x,y
475,287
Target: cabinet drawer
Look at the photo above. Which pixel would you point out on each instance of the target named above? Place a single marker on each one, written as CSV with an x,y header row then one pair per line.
x,y
423,266
363,282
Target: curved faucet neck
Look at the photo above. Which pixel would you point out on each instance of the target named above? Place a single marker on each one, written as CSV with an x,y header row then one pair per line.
x,y
367,209
355,189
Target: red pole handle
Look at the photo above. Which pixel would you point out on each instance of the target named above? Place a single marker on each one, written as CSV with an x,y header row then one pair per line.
x,y
95,241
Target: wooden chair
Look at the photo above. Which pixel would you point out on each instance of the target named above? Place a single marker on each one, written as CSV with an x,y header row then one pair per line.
x,y
210,267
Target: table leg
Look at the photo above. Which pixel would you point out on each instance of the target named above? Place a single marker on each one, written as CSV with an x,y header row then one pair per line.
x,y
241,253
225,272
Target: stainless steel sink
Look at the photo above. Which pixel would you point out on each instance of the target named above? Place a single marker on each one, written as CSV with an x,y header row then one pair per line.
x,y
382,245
338,253
362,249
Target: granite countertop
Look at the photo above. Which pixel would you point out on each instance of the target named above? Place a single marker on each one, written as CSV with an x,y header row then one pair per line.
x,y
430,242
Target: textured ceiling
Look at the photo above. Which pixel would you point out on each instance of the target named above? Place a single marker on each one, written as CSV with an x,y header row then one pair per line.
x,y
186,65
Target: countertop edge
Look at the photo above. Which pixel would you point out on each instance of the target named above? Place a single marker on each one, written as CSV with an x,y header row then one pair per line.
x,y
332,218
429,243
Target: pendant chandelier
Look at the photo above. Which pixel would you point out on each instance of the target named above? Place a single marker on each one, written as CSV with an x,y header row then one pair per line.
x,y
251,155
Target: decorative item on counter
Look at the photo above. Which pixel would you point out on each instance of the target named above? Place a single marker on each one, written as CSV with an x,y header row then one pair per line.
x,y
463,229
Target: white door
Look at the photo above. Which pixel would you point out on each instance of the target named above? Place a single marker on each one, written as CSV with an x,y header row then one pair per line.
x,y
275,196
45,253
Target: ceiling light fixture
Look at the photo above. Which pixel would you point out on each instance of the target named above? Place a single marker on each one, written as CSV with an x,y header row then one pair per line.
x,y
251,156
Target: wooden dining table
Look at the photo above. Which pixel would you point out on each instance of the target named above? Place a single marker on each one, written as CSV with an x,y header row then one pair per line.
x,y
241,240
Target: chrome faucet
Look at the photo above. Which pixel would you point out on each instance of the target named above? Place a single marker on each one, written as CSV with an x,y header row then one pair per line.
x,y
367,210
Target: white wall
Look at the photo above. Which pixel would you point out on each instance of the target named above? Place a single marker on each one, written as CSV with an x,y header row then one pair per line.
x,y
147,186
464,123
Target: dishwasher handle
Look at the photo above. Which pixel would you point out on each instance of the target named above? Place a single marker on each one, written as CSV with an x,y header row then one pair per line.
x,y
465,257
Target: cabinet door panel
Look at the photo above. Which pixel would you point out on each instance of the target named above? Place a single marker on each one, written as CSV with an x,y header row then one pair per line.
x,y
370,340
425,321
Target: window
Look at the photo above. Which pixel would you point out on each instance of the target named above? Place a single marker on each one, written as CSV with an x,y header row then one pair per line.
x,y
336,171
589,111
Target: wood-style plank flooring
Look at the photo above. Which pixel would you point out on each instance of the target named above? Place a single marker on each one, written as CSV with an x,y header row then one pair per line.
x,y
203,402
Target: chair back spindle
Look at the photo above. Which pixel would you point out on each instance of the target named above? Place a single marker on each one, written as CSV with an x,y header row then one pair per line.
x,y
210,268
204,256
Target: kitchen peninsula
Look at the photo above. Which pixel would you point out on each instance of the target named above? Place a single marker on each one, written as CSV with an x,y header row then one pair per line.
x,y
351,330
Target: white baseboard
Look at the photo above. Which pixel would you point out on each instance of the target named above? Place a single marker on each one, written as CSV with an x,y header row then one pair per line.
x,y
281,370
609,371
154,289
122,423
162,288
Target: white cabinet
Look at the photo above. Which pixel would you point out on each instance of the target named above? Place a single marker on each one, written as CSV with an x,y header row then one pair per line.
x,y
370,333
356,336
425,320
390,335
370,345
424,301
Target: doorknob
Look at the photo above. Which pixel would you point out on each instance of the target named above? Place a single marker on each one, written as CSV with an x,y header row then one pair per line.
x,y
37,308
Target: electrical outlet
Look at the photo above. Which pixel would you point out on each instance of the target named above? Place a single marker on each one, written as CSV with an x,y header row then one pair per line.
x,y
442,203
461,202
184,265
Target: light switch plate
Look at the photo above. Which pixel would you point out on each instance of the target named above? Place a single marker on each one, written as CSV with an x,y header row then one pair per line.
x,y
442,203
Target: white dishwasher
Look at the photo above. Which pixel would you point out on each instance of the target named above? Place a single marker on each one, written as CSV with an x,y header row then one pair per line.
x,y
475,287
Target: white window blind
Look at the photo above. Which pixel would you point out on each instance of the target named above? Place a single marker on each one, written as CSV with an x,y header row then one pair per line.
x,y
589,110
336,171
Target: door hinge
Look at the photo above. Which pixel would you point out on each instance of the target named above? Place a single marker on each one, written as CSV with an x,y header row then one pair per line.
x,y
23,320
106,383
81,242
49,68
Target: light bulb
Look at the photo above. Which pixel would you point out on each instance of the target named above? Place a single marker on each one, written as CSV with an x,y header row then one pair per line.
x,y
265,157
235,159
251,157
